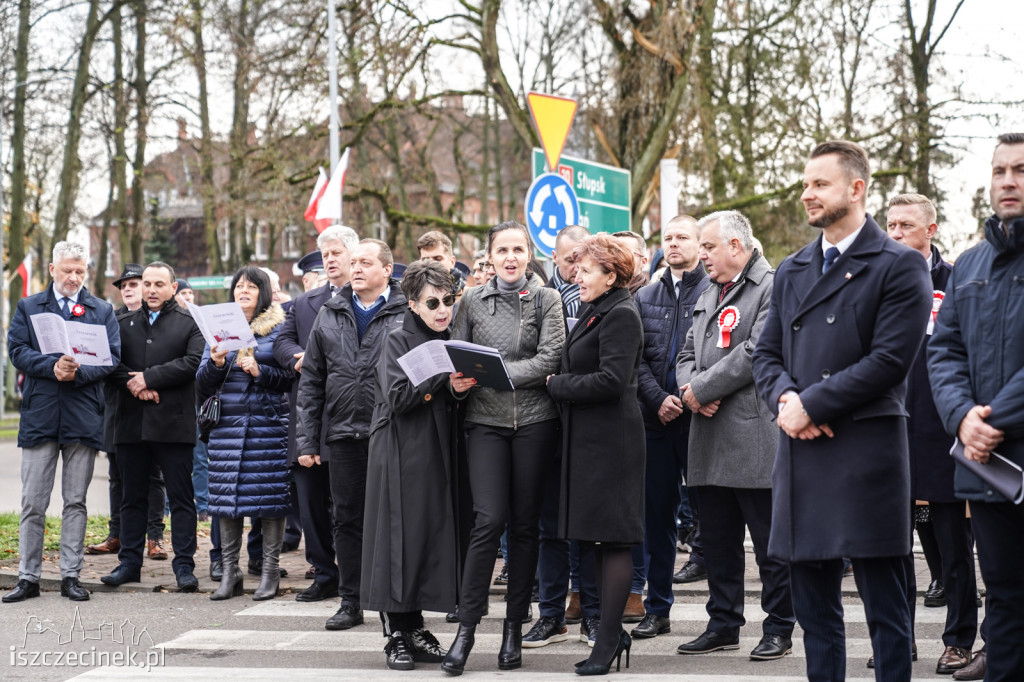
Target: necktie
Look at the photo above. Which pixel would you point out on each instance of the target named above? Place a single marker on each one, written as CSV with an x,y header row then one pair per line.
x,y
152,317
725,289
65,307
334,290
830,257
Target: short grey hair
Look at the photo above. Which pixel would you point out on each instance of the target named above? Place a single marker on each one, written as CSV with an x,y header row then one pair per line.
x,y
69,250
731,225
346,235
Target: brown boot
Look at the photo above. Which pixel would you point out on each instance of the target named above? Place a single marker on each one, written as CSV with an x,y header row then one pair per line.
x,y
975,670
634,612
572,611
156,550
109,546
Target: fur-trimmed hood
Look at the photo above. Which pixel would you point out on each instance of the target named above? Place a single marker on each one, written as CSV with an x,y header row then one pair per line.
x,y
263,324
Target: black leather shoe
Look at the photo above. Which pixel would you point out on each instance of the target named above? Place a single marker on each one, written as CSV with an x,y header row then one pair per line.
x,y
216,570
772,647
510,656
121,575
73,590
425,647
652,626
690,573
25,589
936,595
256,568
398,653
317,592
452,616
588,630
187,582
545,631
708,642
455,660
348,616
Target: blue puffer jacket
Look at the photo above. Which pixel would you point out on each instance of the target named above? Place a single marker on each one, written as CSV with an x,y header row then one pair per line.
x,y
666,322
975,356
249,446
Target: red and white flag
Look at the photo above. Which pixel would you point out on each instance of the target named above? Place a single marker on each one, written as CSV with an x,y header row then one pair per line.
x,y
328,209
25,270
314,198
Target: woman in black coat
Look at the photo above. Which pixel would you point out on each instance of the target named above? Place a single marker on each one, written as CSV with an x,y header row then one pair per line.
x,y
603,435
410,535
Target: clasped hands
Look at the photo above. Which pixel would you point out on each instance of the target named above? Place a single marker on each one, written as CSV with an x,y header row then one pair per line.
x,y
795,422
690,401
979,439
137,386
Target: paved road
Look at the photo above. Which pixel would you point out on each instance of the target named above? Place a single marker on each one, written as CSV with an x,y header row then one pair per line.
x,y
98,499
239,639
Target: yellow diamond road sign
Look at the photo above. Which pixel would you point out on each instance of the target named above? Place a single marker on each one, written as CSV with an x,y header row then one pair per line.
x,y
553,117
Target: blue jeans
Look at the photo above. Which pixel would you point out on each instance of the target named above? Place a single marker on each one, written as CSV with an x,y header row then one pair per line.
x,y
201,475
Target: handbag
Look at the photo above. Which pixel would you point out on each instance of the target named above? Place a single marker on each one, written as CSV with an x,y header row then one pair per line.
x,y
209,412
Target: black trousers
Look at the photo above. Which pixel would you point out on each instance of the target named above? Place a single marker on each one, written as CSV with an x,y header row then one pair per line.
x,y
347,474
506,477
313,488
400,621
292,524
999,531
553,554
157,498
136,462
727,512
818,604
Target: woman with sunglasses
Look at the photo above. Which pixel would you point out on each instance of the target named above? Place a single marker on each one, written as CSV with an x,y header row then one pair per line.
x,y
410,533
511,436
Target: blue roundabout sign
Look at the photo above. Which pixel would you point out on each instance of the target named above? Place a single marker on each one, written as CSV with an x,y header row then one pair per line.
x,y
551,204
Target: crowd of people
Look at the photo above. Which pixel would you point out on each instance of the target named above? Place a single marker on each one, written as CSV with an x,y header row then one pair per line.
x,y
814,405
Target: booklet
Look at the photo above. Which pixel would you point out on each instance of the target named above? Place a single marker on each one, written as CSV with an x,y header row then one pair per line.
x,y
444,357
999,472
86,343
223,325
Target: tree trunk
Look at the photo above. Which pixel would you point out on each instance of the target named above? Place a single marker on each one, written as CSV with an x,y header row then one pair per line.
x,y
238,138
71,167
119,163
16,234
141,123
207,187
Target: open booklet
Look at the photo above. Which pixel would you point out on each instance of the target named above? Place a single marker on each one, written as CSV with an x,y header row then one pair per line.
x,y
444,357
86,343
999,472
223,325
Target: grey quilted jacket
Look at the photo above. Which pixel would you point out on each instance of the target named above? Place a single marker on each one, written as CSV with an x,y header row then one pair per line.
x,y
531,349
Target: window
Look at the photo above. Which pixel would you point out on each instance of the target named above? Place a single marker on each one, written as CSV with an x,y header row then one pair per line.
x,y
224,237
291,242
260,239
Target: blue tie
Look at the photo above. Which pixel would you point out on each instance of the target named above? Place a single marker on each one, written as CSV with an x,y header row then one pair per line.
x,y
65,307
831,253
152,317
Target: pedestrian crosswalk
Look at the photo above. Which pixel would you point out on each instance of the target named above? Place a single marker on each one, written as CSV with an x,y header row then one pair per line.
x,y
258,640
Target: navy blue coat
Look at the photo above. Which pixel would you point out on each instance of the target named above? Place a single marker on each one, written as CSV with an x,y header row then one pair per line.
x,y
975,356
64,411
845,342
931,467
292,339
248,447
665,329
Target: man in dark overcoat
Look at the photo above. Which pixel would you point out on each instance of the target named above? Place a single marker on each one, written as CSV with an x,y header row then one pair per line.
x,y
733,438
911,221
312,472
156,422
848,315
976,366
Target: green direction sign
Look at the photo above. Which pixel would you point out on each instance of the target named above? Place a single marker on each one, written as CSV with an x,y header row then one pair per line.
x,y
211,282
603,191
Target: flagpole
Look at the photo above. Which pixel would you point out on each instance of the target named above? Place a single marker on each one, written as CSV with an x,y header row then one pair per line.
x,y
332,85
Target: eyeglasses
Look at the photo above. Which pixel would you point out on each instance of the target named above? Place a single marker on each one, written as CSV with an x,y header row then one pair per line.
x,y
433,303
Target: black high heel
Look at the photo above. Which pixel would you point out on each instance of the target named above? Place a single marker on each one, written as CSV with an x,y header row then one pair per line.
x,y
592,668
455,660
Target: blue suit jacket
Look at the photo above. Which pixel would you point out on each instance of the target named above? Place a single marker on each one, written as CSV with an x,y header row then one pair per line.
x,y
845,342
64,411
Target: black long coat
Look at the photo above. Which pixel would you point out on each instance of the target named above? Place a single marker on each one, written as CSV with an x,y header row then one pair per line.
x,y
845,342
602,428
931,467
411,551
168,353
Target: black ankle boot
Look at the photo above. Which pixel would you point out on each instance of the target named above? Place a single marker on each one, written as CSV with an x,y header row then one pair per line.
x,y
455,660
510,656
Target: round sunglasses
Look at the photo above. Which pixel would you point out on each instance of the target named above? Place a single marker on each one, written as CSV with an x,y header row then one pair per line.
x,y
432,303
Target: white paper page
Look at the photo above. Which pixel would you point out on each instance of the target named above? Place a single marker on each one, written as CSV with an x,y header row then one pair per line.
x,y
426,360
51,333
472,346
224,325
89,344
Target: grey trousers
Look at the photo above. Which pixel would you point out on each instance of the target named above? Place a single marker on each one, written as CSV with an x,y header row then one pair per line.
x,y
38,468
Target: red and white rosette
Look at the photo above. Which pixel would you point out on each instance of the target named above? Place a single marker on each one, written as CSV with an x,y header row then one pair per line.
x,y
937,297
727,321
78,310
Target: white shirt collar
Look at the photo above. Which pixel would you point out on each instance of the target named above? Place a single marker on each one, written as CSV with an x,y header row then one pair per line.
x,y
57,295
386,295
845,242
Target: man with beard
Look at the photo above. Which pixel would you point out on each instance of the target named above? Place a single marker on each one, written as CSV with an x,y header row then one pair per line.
x,y
848,315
